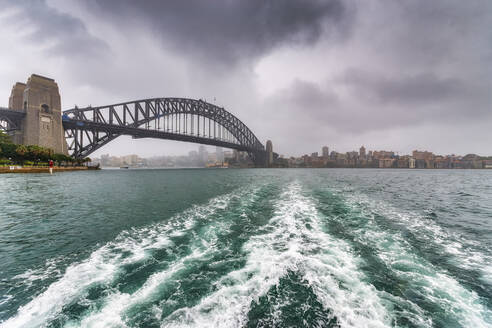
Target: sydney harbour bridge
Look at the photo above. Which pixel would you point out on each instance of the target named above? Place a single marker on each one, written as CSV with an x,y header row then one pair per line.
x,y
85,130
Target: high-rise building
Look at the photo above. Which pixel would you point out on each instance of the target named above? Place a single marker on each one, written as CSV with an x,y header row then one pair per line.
x,y
423,155
202,153
326,152
219,154
362,152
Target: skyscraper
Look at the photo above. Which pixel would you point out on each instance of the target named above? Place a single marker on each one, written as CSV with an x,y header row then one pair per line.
x,y
325,151
219,154
362,152
202,153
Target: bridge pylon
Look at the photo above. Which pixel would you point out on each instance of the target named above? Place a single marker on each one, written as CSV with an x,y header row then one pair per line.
x,y
39,100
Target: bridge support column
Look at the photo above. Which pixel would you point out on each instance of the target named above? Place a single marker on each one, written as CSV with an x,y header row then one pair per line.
x,y
42,125
269,154
15,102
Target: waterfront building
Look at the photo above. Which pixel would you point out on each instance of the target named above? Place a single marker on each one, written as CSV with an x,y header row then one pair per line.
x,y
202,153
403,162
411,163
383,154
352,155
326,152
219,154
362,152
130,160
386,162
228,154
425,155
420,164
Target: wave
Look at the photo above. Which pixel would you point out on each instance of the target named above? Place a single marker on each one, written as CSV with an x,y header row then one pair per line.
x,y
423,285
292,241
117,305
105,264
460,251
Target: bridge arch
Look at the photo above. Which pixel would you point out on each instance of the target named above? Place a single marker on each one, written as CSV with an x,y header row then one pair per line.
x,y
88,129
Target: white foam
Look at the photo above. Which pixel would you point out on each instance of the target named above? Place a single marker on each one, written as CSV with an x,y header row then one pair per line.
x,y
103,264
421,276
111,314
5,298
51,269
458,247
117,304
287,244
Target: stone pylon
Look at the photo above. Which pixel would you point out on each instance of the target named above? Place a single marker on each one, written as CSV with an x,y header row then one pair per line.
x,y
269,153
42,125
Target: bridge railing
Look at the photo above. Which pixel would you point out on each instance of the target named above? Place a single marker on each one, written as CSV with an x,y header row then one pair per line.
x,y
172,118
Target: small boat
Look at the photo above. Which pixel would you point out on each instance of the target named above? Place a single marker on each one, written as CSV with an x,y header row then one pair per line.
x,y
124,167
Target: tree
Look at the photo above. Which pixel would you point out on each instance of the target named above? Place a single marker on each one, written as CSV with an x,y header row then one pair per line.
x,y
9,151
21,150
4,138
36,153
62,158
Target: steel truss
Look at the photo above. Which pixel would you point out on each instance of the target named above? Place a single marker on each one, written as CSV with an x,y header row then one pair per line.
x,y
11,120
88,129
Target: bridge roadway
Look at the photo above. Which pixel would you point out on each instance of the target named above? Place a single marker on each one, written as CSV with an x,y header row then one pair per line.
x,y
137,133
10,119
182,119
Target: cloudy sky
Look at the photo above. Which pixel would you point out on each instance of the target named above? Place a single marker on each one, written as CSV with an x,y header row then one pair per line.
x,y
394,75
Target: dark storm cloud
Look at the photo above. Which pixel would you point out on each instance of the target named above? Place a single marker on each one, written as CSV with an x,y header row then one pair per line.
x,y
416,63
424,88
377,102
293,69
227,30
60,33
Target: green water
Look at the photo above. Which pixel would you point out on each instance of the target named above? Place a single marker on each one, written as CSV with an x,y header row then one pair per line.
x,y
246,248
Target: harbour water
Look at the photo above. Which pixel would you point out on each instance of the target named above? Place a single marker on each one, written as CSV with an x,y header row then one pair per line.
x,y
247,248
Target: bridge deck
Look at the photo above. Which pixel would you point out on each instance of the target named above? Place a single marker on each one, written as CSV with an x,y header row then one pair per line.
x,y
148,133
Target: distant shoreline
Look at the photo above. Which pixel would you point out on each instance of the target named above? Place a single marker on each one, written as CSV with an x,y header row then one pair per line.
x,y
16,169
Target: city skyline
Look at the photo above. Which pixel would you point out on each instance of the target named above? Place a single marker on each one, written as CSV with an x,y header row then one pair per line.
x,y
299,75
211,149
211,154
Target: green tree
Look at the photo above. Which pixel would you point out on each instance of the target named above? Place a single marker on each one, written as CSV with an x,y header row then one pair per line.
x,y
4,138
9,151
62,158
21,151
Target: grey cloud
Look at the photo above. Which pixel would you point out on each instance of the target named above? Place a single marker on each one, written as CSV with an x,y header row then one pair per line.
x,y
419,89
401,66
434,35
306,96
62,34
373,101
303,104
229,31
420,97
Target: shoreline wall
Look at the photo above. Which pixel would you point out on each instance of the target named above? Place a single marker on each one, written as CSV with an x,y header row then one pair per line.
x,y
40,169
